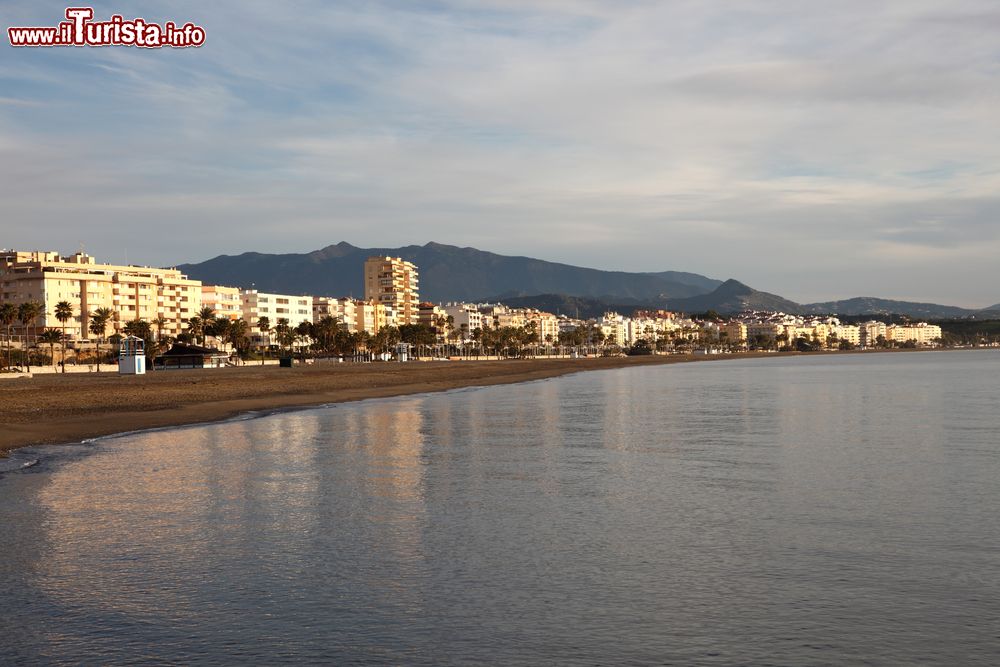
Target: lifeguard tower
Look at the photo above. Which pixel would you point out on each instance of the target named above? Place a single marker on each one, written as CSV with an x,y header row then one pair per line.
x,y
132,356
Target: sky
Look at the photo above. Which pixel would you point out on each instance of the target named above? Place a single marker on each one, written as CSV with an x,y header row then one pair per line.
x,y
815,150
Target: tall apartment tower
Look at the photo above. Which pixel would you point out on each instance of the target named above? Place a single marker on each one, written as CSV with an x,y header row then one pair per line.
x,y
392,282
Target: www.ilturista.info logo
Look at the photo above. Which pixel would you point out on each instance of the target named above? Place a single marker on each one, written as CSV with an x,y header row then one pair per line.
x,y
80,30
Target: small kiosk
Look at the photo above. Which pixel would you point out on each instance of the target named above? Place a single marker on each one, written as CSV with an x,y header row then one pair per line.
x,y
132,356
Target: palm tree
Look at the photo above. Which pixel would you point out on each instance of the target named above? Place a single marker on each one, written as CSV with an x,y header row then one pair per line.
x,y
8,315
264,324
195,327
98,326
27,313
282,329
219,328
237,334
64,313
51,336
160,322
207,316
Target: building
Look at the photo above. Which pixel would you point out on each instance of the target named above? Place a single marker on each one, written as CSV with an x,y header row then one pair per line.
x,y
546,324
393,282
370,317
163,297
434,316
225,301
922,334
344,310
869,332
733,333
848,332
466,318
255,305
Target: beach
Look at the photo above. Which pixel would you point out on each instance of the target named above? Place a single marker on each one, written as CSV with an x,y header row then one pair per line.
x,y
56,408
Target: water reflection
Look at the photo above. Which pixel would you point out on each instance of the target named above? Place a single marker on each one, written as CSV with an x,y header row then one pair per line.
x,y
806,511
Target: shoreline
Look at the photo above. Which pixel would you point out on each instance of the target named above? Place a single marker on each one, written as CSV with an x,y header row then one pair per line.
x,y
63,409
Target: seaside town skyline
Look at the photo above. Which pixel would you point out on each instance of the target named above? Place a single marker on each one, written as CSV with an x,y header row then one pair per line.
x,y
84,301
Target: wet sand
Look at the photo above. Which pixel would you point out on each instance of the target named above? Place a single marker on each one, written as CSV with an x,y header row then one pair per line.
x,y
56,408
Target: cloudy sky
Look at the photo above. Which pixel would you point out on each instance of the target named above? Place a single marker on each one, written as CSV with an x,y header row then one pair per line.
x,y
817,150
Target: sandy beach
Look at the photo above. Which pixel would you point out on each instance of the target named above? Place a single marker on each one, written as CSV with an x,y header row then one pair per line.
x,y
55,408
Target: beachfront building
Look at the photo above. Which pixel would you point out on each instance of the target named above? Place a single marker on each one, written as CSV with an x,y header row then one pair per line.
x,y
613,326
344,310
255,305
227,302
436,317
870,332
922,334
372,316
393,282
165,297
848,332
733,333
466,318
546,324
764,330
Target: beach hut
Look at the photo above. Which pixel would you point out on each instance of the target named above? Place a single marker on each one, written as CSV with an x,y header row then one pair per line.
x,y
182,355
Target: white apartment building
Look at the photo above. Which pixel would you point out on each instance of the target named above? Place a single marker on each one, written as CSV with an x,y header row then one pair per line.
x,y
849,332
921,334
467,318
255,305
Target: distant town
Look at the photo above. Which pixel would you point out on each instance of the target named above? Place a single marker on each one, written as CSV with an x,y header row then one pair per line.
x,y
58,309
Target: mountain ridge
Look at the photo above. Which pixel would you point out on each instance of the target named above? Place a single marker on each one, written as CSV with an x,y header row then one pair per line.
x,y
454,273
447,273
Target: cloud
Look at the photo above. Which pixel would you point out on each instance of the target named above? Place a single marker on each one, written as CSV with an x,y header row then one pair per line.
x,y
812,152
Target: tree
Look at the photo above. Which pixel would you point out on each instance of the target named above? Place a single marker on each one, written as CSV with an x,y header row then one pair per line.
x,y
195,326
98,326
142,329
64,313
27,313
417,334
218,328
206,314
8,315
264,324
160,322
238,335
51,336
283,332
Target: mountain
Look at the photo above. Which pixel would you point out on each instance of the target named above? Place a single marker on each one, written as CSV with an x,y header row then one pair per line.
x,y
733,296
447,273
865,305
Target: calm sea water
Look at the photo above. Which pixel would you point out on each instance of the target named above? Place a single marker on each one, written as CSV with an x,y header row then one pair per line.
x,y
810,511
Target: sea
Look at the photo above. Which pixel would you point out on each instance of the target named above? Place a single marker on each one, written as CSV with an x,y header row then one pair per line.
x,y
816,510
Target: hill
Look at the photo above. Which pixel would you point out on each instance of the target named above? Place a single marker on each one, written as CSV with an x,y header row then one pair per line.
x,y
447,273
866,305
733,296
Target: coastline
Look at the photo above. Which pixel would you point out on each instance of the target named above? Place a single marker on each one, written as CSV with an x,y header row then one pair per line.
x,y
60,409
